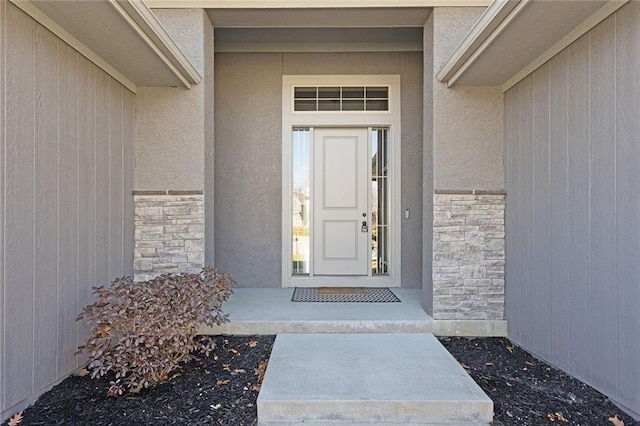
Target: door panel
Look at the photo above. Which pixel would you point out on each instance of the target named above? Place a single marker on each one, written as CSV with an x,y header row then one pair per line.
x,y
340,182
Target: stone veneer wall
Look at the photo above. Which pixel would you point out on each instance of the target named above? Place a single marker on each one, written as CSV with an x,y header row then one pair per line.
x,y
169,232
468,255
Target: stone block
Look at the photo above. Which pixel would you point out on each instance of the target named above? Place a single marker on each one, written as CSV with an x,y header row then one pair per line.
x,y
473,271
449,236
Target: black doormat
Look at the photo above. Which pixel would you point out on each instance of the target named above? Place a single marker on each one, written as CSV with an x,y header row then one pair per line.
x,y
344,294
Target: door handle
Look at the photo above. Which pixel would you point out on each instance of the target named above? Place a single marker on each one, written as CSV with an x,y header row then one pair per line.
x,y
364,227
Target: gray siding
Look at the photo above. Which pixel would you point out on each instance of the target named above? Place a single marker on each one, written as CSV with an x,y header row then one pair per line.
x,y
572,159
66,156
248,156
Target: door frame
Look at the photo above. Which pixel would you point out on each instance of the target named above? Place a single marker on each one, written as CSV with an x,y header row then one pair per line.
x,y
340,119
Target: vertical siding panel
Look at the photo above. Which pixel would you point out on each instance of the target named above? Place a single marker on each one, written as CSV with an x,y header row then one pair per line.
x,y
527,219
603,214
102,179
541,285
3,26
18,310
45,209
86,188
628,203
116,181
68,206
513,213
561,299
128,173
578,119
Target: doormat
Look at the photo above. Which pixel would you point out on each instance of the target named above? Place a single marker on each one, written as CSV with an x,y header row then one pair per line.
x,y
344,294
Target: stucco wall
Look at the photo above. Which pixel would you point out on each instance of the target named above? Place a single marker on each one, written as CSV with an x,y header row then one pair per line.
x,y
248,159
66,157
427,168
467,121
573,203
171,122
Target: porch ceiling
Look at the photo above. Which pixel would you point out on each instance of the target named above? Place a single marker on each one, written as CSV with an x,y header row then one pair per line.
x,y
319,17
515,37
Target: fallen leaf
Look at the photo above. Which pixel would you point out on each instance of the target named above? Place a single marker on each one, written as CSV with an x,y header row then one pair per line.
x,y
489,364
260,370
616,421
215,407
220,382
252,344
510,348
17,418
557,416
529,363
465,366
234,351
83,372
239,370
226,367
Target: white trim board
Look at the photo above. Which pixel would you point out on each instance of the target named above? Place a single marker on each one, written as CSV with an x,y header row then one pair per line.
x,y
493,21
390,119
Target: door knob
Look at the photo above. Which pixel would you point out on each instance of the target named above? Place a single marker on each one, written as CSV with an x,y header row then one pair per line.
x,y
364,227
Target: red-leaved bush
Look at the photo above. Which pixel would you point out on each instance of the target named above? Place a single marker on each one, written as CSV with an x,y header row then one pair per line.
x,y
142,331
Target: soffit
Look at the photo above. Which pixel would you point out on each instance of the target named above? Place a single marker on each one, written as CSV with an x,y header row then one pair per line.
x,y
513,36
319,17
122,34
318,40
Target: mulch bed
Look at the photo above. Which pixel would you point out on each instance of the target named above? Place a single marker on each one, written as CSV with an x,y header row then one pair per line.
x,y
223,391
526,391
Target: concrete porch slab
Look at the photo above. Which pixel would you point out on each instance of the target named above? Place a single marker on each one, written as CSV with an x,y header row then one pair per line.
x,y
403,378
271,311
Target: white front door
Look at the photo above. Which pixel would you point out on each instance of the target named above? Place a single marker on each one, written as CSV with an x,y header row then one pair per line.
x,y
341,211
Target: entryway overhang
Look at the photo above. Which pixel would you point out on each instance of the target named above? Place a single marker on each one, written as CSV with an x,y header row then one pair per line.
x,y
514,37
122,37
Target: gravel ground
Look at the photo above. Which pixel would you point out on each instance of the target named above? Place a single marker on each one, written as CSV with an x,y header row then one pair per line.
x,y
222,389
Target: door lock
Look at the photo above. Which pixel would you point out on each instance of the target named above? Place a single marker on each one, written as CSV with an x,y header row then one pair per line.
x,y
364,227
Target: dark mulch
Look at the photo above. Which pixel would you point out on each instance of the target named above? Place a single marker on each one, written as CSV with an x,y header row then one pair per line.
x,y
223,391
526,391
204,391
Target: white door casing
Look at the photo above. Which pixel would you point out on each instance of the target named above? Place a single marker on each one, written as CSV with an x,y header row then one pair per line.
x,y
319,122
341,207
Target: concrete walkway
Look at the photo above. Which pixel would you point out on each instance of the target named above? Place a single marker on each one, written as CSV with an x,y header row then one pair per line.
x,y
358,363
271,311
357,379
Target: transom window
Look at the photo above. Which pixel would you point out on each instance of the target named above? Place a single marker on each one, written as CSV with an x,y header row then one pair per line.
x,y
341,98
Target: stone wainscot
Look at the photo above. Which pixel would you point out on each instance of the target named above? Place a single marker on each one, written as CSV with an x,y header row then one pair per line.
x,y
169,232
468,255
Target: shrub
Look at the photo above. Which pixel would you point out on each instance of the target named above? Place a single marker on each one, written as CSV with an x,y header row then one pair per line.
x,y
142,331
